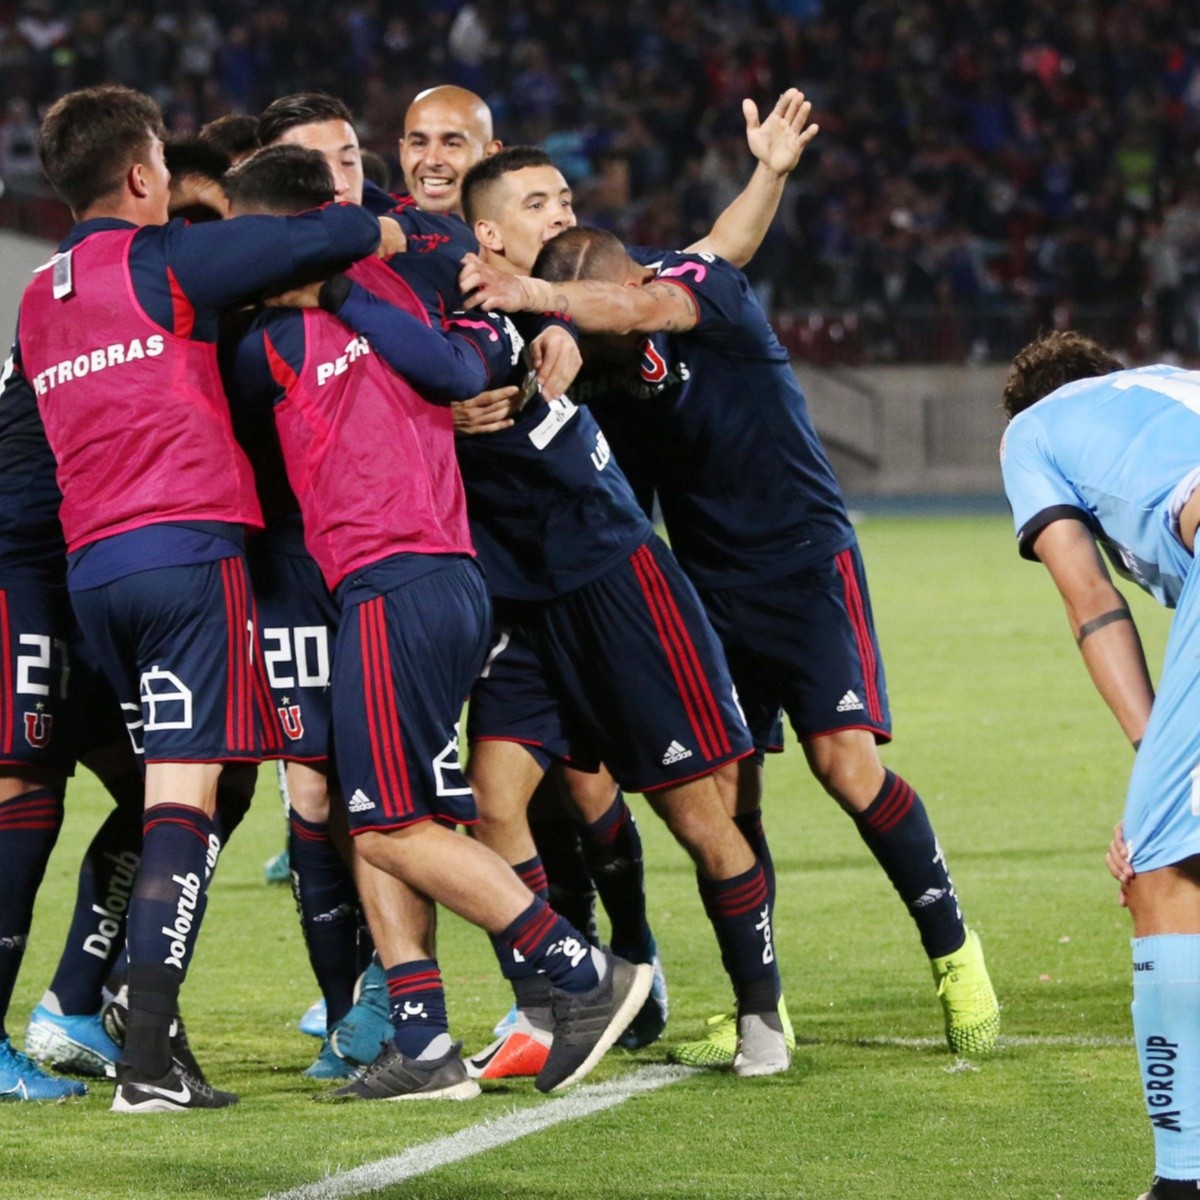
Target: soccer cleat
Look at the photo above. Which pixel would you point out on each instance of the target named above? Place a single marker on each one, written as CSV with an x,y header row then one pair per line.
x,y
278,869
762,1048
968,1001
394,1076
177,1091
22,1079
315,1019
649,1024
507,1023
359,1035
586,1024
78,1045
519,1052
115,1014
330,1065
718,1047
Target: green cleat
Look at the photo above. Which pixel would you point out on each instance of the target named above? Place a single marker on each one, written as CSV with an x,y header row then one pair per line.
x,y
278,869
968,1001
719,1045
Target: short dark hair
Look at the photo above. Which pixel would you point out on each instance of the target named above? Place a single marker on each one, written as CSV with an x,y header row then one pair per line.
x,y
282,180
195,156
582,253
90,138
235,135
1051,361
479,179
302,108
376,169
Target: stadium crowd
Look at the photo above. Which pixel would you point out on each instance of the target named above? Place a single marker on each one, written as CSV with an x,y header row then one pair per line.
x,y
1007,159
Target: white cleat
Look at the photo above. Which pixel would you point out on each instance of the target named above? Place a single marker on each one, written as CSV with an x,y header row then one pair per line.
x,y
761,1046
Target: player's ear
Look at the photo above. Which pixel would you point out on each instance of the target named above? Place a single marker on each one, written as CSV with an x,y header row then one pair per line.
x,y
487,234
493,147
136,181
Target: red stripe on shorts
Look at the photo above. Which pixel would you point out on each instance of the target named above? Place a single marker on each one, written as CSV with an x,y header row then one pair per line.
x,y
862,631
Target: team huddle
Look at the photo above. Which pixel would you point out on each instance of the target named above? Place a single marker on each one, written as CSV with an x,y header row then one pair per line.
x,y
294,477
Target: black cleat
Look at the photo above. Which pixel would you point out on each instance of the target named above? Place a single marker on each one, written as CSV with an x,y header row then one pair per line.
x,y
177,1091
115,1014
393,1076
586,1024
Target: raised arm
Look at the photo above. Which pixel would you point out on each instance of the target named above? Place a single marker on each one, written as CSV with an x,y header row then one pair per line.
x,y
594,306
778,143
1100,621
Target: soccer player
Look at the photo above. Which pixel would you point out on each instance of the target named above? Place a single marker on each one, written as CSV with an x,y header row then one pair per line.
x,y
758,523
235,135
117,337
1095,458
197,168
390,535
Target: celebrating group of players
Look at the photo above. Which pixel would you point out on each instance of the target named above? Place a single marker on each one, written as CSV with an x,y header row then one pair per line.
x,y
295,481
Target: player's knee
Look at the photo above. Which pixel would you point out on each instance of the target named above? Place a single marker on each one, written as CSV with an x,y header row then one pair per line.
x,y
308,792
15,785
847,766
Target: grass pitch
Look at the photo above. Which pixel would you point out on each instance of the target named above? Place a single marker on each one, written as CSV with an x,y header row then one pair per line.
x,y
1023,771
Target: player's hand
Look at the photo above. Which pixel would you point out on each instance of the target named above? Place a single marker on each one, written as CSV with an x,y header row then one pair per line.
x,y
488,412
297,297
392,239
492,290
1117,861
556,359
780,140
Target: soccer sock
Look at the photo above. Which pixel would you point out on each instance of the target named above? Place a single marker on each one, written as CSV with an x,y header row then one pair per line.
x,y
896,828
612,849
740,912
1166,998
164,920
97,934
512,966
555,948
29,828
327,902
418,1008
752,830
572,893
232,805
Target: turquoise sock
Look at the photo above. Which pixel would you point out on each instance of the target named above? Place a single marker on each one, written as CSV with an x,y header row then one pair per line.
x,y
1166,1025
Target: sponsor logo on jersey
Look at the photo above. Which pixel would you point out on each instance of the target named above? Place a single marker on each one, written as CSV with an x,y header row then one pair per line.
x,y
93,361
675,753
360,802
850,703
355,349
38,726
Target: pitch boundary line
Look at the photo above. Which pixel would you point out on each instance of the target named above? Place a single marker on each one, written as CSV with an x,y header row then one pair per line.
x,y
487,1135
1005,1041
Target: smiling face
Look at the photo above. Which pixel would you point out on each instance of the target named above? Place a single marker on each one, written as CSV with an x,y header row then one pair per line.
x,y
447,130
522,213
338,142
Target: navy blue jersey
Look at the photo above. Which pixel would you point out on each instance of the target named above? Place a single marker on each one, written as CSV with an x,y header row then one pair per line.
x,y
549,509
427,233
746,490
31,539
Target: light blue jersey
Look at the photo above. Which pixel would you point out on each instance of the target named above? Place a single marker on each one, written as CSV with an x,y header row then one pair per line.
x,y
1120,451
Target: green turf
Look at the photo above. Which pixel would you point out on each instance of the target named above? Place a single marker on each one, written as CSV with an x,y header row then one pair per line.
x,y
1023,771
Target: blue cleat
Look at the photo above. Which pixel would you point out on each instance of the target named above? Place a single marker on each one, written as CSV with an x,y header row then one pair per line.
x,y
315,1019
507,1023
330,1065
358,1036
78,1045
22,1079
651,1019
278,869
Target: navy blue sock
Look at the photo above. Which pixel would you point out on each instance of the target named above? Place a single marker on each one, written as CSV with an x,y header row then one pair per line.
x,y
741,916
512,965
897,830
572,894
418,1005
29,826
97,935
327,902
752,830
553,947
612,849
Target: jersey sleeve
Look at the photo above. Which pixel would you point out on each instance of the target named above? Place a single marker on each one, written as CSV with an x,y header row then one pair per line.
x,y
721,294
1038,492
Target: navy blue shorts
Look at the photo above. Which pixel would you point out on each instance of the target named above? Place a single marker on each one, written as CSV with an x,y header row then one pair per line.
x,y
639,679
805,643
298,619
179,646
406,656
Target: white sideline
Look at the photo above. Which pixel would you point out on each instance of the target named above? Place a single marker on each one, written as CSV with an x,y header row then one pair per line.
x,y
1048,1040
475,1139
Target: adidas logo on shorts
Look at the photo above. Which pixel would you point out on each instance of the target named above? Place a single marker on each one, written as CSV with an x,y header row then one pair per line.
x,y
675,753
849,703
360,802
